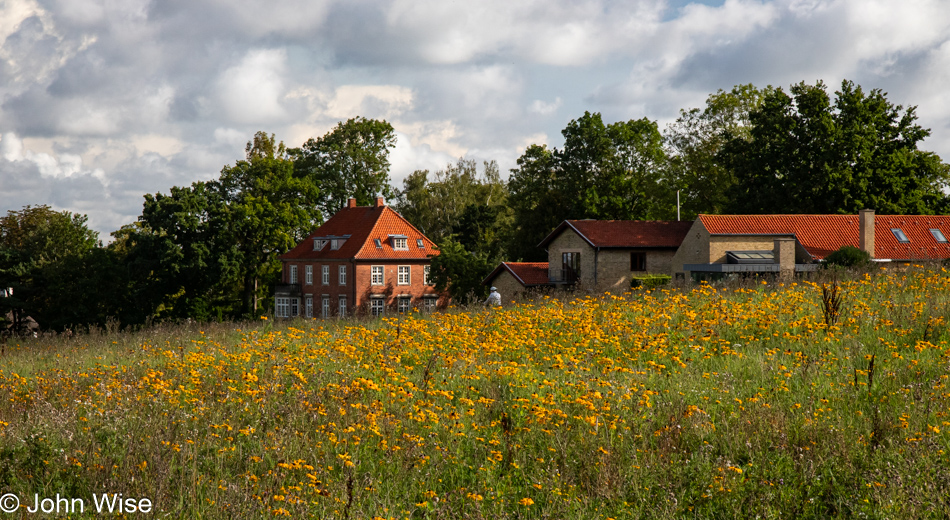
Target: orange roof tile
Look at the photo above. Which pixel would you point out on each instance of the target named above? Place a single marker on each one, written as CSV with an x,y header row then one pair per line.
x,y
821,235
527,273
626,233
922,245
363,224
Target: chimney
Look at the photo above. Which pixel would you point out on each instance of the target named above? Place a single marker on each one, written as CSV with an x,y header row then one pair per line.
x,y
783,251
351,203
866,230
380,202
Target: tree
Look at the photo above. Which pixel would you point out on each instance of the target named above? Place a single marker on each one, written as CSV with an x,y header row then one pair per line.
x,y
693,142
437,208
267,210
350,161
460,271
603,172
37,246
206,248
807,154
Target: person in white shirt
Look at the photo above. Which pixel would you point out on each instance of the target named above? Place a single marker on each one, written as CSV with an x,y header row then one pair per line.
x,y
494,299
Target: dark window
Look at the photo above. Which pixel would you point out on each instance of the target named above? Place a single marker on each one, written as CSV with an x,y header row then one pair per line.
x,y
638,261
378,243
901,237
571,266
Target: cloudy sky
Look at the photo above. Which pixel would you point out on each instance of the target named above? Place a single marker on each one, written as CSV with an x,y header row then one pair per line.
x,y
102,101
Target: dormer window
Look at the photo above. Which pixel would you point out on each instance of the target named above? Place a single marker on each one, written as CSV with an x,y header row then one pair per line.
x,y
318,244
938,236
420,244
901,237
336,243
399,242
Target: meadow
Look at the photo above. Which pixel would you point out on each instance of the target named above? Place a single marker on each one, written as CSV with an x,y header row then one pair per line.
x,y
809,399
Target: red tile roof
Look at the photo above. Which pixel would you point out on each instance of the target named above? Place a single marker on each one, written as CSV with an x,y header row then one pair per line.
x,y
821,235
363,224
527,273
625,233
922,245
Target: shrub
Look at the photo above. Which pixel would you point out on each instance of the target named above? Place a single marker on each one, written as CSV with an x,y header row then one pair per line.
x,y
848,256
649,281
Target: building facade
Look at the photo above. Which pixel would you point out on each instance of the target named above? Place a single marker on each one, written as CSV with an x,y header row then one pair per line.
x,y
365,260
716,245
605,255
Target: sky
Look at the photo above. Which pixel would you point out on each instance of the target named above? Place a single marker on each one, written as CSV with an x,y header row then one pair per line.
x,y
103,101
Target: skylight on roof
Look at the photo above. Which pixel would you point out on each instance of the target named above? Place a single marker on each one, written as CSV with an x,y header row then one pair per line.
x,y
938,236
899,234
420,243
750,257
379,244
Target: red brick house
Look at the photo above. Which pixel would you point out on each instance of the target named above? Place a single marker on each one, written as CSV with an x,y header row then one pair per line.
x,y
363,260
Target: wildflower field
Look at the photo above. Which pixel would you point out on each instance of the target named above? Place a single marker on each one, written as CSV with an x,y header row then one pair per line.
x,y
755,400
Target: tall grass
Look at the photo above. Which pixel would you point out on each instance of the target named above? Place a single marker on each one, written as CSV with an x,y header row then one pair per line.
x,y
706,402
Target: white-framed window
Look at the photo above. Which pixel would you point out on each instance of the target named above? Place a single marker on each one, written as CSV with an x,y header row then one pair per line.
x,y
308,274
403,277
326,307
335,244
400,243
326,275
342,277
308,306
429,304
426,272
282,308
342,311
294,307
292,275
376,306
318,244
376,275
404,304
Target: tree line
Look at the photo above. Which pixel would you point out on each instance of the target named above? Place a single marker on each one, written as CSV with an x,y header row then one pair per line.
x,y
209,251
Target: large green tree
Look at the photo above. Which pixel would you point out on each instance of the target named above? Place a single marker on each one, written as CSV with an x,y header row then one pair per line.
x,y
602,172
207,248
693,142
267,210
438,205
807,153
352,160
38,247
466,214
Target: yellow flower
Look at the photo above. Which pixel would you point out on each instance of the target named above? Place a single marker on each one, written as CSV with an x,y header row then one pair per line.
x,y
526,501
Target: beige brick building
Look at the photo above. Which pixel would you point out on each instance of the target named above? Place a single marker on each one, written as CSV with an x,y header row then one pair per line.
x,y
718,245
604,255
516,280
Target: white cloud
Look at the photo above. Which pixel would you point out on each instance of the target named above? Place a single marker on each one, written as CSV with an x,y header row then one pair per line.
x,y
373,101
61,166
545,108
104,100
252,91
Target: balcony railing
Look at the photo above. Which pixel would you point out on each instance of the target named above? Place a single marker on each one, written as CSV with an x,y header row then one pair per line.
x,y
563,275
288,289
